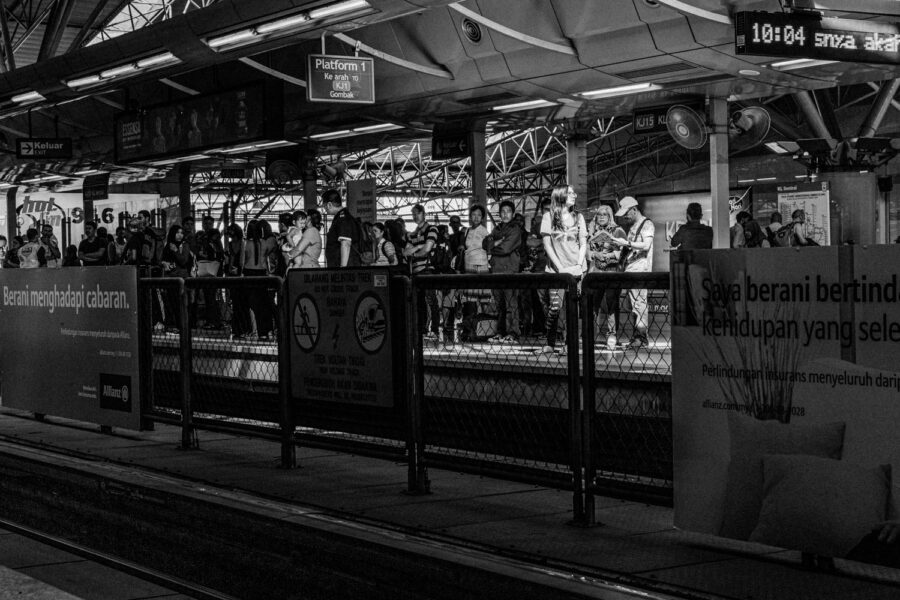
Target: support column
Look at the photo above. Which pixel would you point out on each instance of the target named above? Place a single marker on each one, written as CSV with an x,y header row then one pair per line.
x,y
478,156
10,215
310,180
576,168
184,191
718,171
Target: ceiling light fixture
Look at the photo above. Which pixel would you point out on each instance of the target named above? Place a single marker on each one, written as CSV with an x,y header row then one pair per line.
x,y
766,178
171,161
289,24
356,131
251,147
799,63
43,179
86,172
621,90
776,148
133,68
528,105
748,72
27,98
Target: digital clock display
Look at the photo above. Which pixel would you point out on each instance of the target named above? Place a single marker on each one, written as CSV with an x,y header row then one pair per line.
x,y
800,35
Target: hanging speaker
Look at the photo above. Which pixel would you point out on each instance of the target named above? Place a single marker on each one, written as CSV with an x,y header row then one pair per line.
x,y
283,165
686,127
748,128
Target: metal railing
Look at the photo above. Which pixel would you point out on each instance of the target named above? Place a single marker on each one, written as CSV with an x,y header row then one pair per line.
x,y
508,376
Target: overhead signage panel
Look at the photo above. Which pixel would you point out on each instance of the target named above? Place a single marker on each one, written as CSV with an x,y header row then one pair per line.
x,y
801,35
246,114
650,120
341,79
44,148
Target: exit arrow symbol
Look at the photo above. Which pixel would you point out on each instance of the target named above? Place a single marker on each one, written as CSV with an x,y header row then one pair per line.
x,y
27,148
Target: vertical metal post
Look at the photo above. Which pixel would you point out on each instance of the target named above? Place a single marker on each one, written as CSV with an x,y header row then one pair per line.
x,y
478,158
8,53
718,172
145,354
417,473
574,397
288,450
588,372
186,368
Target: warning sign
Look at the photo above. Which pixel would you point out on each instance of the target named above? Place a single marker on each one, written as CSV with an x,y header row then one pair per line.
x,y
341,344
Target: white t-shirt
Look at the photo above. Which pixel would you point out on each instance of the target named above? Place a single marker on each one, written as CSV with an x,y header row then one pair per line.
x,y
476,256
640,261
566,243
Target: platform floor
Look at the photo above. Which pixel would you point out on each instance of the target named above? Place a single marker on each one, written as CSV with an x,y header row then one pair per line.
x,y
636,543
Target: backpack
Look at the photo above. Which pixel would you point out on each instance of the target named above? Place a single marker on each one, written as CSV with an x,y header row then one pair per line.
x,y
783,237
442,257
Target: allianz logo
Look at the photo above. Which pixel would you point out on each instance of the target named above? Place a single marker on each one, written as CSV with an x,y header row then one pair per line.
x,y
114,392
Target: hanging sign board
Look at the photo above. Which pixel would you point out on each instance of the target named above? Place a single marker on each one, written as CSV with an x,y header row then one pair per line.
x,y
361,200
44,148
650,120
341,79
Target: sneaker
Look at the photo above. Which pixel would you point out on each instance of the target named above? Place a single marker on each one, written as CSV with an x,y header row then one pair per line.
x,y
159,328
612,342
496,339
637,342
430,336
545,350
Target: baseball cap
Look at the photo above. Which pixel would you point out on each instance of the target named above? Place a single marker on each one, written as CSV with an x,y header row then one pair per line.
x,y
625,204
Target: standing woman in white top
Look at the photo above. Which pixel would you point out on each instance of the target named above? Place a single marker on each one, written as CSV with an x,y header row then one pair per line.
x,y
564,234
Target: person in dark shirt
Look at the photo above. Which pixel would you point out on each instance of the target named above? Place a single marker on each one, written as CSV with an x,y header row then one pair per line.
x,y
693,235
342,239
503,245
92,250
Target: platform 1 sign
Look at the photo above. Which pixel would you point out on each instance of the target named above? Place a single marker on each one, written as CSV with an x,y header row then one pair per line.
x,y
71,343
342,79
340,338
44,148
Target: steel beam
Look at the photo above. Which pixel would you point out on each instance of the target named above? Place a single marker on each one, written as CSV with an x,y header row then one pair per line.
x,y
879,108
59,19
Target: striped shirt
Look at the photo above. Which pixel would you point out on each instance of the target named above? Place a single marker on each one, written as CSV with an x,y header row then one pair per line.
x,y
417,239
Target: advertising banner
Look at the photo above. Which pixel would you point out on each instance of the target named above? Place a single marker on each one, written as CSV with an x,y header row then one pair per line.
x,y
70,343
65,212
785,396
361,200
667,212
340,342
813,199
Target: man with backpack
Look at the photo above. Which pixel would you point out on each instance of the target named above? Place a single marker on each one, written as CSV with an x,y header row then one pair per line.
x,y
772,228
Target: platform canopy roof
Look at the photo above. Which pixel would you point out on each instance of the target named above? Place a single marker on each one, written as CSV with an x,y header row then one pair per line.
x,y
436,62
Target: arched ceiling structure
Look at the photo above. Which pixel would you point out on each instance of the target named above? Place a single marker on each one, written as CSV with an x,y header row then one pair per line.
x,y
436,62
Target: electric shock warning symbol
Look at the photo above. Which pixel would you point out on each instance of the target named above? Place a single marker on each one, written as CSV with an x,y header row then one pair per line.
x,y
305,322
371,323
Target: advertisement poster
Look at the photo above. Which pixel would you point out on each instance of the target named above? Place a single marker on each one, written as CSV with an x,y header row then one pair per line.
x,y
70,343
786,380
341,336
668,214
361,200
814,200
65,212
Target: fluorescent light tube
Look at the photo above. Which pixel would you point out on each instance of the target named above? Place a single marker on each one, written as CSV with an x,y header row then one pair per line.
x,y
339,133
766,178
83,81
776,148
280,24
799,63
621,90
338,8
159,59
230,38
379,127
27,97
116,71
523,105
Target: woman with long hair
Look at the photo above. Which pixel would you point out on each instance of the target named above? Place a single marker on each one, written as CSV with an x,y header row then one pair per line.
x,y
258,248
604,256
564,234
382,249
177,261
241,325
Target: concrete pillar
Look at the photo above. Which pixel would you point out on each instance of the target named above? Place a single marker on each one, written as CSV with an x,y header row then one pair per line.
x,y
718,171
10,215
576,168
478,156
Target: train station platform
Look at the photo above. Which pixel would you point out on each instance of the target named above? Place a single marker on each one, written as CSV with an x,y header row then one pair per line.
x,y
471,537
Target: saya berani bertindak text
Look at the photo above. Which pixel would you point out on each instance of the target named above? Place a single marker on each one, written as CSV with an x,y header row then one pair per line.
x,y
784,324
68,298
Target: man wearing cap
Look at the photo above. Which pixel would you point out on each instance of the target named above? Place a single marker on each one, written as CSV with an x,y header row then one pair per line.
x,y
637,255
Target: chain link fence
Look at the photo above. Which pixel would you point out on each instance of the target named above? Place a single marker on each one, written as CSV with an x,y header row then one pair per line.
x,y
627,370
497,364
